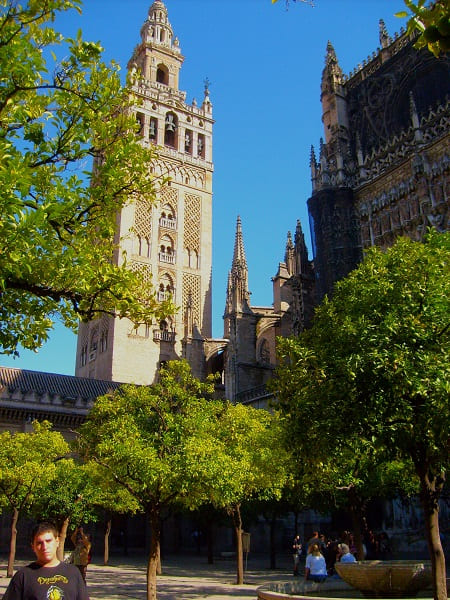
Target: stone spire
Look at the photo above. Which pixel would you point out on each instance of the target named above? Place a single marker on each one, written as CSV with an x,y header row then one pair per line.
x,y
333,98
238,294
239,259
313,167
301,250
289,255
157,59
206,106
384,36
332,73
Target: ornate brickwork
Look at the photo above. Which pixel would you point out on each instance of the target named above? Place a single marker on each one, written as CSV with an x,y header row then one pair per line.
x,y
169,195
414,197
192,220
143,218
144,269
192,297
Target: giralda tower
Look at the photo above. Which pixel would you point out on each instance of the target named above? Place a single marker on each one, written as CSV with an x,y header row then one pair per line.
x,y
171,242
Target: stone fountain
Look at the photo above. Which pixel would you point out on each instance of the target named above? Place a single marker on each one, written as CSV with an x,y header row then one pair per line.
x,y
387,578
367,578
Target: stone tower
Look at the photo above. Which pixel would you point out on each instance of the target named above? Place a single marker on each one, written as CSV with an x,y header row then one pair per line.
x,y
171,243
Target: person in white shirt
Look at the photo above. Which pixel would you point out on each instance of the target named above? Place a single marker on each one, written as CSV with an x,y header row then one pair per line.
x,y
315,567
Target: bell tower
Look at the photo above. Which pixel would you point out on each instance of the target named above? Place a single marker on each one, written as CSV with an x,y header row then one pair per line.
x,y
171,242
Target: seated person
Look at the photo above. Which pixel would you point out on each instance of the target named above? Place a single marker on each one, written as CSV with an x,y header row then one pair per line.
x,y
315,567
345,556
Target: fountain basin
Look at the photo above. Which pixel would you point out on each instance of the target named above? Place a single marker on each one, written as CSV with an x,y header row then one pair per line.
x,y
299,590
387,578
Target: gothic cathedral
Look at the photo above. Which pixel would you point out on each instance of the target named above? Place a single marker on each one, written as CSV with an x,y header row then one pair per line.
x,y
381,172
171,243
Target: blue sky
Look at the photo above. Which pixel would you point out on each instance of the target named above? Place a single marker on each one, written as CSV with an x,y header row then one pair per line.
x,y
264,64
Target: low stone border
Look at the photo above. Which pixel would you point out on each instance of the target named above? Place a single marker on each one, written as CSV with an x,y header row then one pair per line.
x,y
302,590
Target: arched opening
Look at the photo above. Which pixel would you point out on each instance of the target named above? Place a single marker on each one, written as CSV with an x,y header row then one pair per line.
x,y
167,250
153,130
162,74
166,287
201,145
170,130
140,120
168,218
215,364
188,141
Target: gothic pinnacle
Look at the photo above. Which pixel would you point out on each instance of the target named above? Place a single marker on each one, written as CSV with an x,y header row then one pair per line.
x,y
239,252
384,36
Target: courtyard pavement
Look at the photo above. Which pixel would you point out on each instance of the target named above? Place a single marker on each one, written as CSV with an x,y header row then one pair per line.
x,y
184,578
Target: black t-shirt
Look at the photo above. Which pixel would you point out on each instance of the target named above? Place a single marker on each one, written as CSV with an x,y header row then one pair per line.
x,y
33,582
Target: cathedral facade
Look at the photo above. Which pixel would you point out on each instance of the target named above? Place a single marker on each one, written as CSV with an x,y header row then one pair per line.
x,y
381,171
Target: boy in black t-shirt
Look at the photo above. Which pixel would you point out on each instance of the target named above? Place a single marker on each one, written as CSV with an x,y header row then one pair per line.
x,y
47,578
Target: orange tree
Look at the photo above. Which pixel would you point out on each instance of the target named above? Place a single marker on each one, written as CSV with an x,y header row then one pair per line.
x,y
249,463
70,158
372,374
28,467
145,440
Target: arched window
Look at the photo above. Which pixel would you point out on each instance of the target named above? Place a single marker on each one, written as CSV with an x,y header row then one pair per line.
x,y
140,120
167,250
143,246
170,130
162,74
153,130
168,218
193,259
201,145
188,141
166,288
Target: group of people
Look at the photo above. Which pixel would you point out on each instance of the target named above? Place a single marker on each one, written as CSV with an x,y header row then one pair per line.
x,y
322,553
48,578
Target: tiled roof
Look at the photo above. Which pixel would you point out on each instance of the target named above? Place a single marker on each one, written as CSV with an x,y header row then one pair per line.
x,y
65,386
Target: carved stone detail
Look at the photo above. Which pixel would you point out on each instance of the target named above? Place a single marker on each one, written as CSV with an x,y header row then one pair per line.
x,y
192,297
192,221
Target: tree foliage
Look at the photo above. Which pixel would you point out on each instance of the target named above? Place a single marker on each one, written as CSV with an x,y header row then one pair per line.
x,y
373,371
250,461
145,438
432,21
27,470
70,158
67,499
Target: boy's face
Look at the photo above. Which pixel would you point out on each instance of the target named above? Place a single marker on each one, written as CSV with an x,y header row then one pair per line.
x,y
45,546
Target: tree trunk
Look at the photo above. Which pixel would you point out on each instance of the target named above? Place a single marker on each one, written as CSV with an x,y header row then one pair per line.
x,y
12,543
237,520
210,540
62,538
159,565
430,491
106,542
356,513
273,553
152,567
